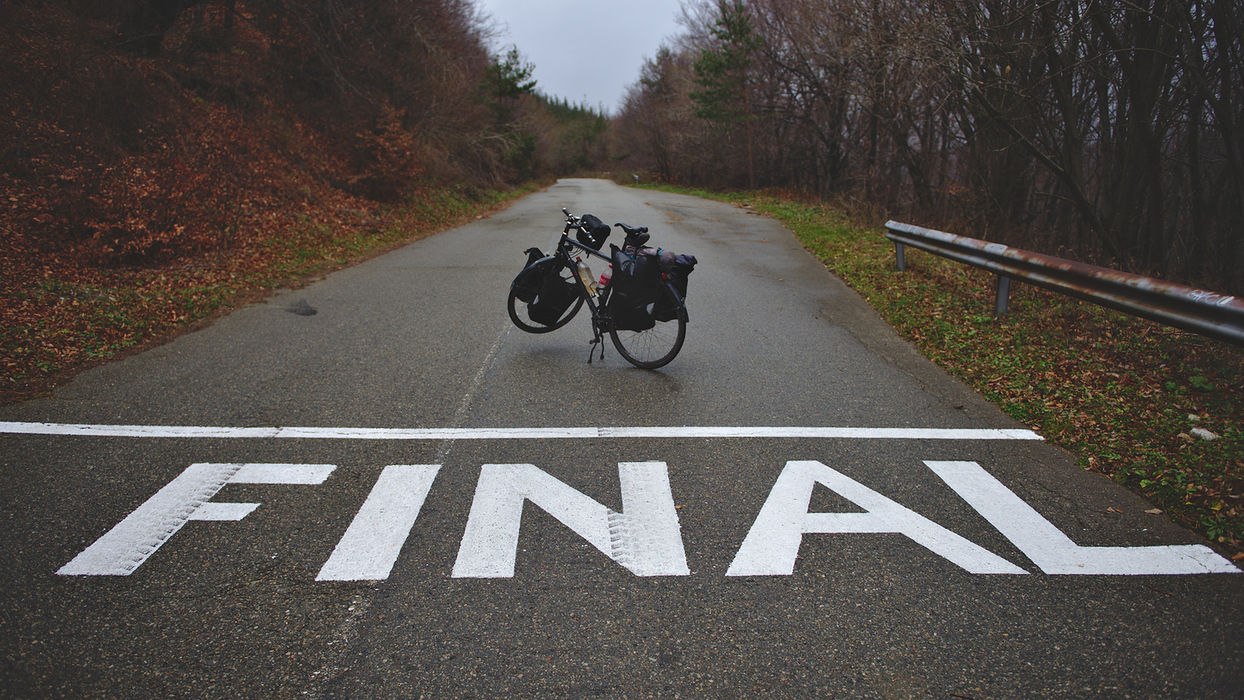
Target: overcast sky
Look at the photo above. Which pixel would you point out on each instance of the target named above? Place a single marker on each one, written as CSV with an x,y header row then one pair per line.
x,y
586,51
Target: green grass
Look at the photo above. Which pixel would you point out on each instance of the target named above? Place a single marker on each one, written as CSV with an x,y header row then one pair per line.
x,y
1122,394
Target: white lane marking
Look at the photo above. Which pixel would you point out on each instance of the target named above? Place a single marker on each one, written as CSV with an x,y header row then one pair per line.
x,y
1053,551
645,538
460,416
824,432
375,537
178,431
130,542
772,545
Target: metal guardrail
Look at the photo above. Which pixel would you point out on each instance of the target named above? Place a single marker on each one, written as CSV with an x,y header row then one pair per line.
x,y
1207,313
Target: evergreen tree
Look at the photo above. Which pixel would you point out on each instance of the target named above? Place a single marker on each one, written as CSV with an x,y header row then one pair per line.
x,y
722,72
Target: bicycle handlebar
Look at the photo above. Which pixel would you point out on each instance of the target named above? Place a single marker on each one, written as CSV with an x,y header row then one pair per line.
x,y
572,221
635,235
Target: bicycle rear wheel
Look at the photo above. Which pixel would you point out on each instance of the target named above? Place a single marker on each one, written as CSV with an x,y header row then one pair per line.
x,y
656,346
519,309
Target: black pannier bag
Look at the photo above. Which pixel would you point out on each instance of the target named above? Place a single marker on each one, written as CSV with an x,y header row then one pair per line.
x,y
665,310
555,296
592,232
527,284
636,281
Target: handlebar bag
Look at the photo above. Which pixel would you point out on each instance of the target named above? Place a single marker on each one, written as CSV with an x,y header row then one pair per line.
x,y
555,296
592,232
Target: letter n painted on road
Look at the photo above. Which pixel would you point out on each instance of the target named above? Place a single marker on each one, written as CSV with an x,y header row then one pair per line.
x,y
130,542
645,537
1053,551
772,545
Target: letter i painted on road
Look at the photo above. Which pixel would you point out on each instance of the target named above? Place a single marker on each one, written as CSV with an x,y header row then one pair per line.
x,y
127,545
645,537
772,545
375,537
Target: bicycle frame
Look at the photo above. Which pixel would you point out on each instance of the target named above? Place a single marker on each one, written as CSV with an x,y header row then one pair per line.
x,y
566,249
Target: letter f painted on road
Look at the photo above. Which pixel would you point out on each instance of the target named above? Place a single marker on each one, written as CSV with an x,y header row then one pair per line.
x,y
127,545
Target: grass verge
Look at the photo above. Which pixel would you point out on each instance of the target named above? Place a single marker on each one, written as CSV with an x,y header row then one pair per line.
x,y
1129,398
57,318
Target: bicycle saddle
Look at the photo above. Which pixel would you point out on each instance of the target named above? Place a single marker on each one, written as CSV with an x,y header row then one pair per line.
x,y
637,235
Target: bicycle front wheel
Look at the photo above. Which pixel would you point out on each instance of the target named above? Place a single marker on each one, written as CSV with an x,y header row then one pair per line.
x,y
656,346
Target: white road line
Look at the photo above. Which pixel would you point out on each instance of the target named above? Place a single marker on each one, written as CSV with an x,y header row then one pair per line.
x,y
586,433
460,416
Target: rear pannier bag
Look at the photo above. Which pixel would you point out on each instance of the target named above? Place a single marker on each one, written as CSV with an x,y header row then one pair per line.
x,y
556,294
677,277
636,282
592,232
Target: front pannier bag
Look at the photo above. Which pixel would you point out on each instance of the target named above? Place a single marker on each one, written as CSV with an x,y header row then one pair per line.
x,y
555,295
527,284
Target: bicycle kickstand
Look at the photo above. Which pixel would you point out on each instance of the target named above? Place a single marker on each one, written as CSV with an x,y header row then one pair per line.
x,y
598,340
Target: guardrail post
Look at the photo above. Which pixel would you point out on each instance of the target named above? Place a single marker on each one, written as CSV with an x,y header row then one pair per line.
x,y
1004,295
898,256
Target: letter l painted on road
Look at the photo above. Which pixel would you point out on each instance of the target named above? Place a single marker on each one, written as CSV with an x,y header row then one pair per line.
x,y
1053,551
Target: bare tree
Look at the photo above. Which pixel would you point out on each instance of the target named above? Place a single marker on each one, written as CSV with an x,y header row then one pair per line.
x,y
1105,129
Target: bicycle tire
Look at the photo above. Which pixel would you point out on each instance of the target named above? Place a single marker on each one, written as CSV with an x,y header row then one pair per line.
x,y
517,309
656,346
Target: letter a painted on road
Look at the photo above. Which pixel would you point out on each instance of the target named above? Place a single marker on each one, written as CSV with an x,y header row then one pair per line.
x,y
645,537
772,545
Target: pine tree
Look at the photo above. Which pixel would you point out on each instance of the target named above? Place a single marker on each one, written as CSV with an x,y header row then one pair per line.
x,y
722,72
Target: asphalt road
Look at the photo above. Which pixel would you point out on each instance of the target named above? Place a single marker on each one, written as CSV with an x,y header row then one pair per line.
x,y
443,506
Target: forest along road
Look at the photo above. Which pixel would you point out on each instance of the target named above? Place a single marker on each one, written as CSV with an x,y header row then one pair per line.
x,y
377,487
